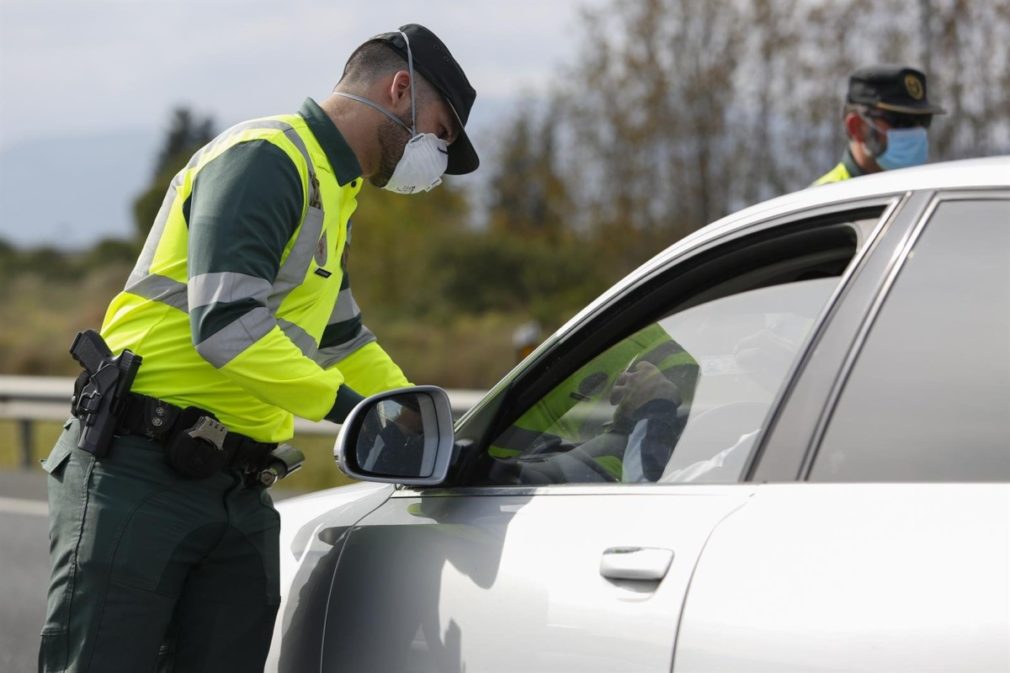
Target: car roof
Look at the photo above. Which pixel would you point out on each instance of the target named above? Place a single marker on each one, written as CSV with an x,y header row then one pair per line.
x,y
965,174
990,172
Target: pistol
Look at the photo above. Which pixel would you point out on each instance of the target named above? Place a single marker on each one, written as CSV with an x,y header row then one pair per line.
x,y
99,402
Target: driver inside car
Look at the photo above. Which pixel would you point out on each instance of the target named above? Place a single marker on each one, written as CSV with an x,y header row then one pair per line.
x,y
627,432
634,389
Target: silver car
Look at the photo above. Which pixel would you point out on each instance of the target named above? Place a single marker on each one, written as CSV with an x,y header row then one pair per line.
x,y
781,445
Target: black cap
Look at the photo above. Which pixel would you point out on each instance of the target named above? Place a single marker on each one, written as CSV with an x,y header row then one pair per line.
x,y
433,60
892,88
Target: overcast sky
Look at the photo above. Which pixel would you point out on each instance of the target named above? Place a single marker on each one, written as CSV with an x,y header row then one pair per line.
x,y
87,66
87,86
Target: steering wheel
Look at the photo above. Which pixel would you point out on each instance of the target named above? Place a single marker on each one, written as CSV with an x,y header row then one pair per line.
x,y
548,445
587,461
547,460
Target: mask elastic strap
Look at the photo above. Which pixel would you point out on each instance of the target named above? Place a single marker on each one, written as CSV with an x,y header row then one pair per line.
x,y
413,98
375,106
877,134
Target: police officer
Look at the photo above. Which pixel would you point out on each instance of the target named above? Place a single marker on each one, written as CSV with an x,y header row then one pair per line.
x,y
164,543
887,115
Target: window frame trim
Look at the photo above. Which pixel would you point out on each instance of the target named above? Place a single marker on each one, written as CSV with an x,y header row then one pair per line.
x,y
899,259
894,206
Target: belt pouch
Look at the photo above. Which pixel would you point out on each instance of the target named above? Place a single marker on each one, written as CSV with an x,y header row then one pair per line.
x,y
193,457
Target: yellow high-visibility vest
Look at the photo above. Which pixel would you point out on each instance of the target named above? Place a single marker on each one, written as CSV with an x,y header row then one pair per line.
x,y
256,373
836,174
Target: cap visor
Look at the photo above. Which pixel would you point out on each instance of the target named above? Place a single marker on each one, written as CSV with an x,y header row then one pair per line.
x,y
909,110
462,156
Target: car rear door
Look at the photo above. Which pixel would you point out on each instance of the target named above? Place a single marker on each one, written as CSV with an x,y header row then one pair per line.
x,y
562,544
891,549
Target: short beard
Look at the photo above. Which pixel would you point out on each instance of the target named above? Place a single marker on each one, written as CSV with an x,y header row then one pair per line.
x,y
390,150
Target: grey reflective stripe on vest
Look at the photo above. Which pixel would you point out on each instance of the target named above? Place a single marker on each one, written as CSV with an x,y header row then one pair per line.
x,y
345,308
306,344
292,272
210,288
226,286
143,265
163,289
221,347
333,354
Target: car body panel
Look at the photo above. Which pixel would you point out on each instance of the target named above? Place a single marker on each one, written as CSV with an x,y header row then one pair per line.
x,y
799,413
450,583
854,577
310,542
776,576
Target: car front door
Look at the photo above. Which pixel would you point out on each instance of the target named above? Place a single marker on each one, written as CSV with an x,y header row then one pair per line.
x,y
586,489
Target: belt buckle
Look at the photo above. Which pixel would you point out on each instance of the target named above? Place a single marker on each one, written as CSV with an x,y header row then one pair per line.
x,y
209,430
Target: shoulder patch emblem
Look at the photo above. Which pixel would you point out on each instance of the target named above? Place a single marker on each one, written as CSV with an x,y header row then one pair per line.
x,y
321,252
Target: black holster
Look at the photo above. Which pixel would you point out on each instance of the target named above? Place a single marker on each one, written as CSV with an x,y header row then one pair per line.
x,y
101,391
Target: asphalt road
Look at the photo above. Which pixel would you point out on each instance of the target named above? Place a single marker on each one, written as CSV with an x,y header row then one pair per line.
x,y
24,567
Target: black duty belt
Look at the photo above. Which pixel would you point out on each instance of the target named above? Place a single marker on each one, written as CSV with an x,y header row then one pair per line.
x,y
159,420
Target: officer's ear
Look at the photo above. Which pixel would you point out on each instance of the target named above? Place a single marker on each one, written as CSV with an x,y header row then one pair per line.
x,y
398,91
855,127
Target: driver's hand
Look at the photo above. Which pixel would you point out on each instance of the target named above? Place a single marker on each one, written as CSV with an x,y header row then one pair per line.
x,y
637,386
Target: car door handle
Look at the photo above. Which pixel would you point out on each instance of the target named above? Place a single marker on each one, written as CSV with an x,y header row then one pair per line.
x,y
636,563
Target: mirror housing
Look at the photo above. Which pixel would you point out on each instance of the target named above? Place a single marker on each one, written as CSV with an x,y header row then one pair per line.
x,y
401,436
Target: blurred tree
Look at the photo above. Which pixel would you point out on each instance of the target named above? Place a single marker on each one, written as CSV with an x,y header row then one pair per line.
x,y
531,258
109,251
649,102
396,239
969,54
535,278
684,111
186,134
528,196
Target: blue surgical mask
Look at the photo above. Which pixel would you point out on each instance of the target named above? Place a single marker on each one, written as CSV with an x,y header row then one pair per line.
x,y
905,148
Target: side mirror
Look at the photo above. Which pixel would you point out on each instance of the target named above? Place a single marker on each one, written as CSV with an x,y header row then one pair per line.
x,y
401,436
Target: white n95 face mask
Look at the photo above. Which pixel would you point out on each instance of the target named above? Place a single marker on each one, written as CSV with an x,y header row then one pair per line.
x,y
425,156
424,160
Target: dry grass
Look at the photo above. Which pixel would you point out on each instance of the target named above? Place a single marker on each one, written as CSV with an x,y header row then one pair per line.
x,y
47,314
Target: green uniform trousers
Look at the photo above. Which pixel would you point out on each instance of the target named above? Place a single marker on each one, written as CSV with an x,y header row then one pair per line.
x,y
154,572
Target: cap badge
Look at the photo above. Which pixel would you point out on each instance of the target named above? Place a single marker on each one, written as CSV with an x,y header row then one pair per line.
x,y
914,87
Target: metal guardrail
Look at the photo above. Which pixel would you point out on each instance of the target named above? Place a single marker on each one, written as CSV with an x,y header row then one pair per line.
x,y
29,399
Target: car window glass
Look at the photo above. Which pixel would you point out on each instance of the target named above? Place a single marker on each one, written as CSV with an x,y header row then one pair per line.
x,y
681,400
928,398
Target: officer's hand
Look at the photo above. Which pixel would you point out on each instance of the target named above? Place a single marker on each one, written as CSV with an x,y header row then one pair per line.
x,y
639,385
